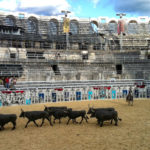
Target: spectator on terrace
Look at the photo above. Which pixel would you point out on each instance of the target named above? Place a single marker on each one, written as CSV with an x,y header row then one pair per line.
x,y
10,82
1,81
14,81
7,82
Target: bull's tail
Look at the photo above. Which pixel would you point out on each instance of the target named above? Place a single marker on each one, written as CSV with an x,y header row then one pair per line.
x,y
119,119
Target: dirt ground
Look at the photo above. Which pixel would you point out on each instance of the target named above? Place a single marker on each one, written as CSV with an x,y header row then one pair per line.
x,y
132,133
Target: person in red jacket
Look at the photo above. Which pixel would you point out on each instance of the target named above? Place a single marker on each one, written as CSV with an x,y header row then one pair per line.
x,y
7,82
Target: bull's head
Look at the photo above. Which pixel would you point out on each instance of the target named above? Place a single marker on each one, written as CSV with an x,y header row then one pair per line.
x,y
90,109
22,114
92,115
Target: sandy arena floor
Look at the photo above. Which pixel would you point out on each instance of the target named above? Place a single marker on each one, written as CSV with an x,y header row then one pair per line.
x,y
132,133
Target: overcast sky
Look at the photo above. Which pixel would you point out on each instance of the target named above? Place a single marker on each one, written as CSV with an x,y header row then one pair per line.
x,y
79,8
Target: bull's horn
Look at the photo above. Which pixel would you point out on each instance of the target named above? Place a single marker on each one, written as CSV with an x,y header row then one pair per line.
x,y
21,109
45,106
92,110
88,105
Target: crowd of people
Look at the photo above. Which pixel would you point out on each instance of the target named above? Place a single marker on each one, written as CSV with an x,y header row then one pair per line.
x,y
8,82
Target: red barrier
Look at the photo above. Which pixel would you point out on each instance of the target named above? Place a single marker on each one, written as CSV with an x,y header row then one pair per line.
x,y
99,87
59,89
9,92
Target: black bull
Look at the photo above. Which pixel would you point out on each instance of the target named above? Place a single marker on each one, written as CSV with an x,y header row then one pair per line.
x,y
94,110
35,115
103,115
75,114
58,114
6,118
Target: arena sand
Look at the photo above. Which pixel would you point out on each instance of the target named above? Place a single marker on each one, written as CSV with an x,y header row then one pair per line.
x,y
132,133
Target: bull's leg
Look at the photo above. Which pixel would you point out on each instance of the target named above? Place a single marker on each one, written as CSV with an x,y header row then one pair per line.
x,y
101,123
81,120
49,119
85,117
37,124
74,121
59,120
42,122
27,124
111,121
68,121
14,125
116,121
98,122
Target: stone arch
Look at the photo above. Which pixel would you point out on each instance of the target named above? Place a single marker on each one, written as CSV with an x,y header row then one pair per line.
x,y
10,20
94,25
74,27
53,27
32,25
112,26
143,28
132,27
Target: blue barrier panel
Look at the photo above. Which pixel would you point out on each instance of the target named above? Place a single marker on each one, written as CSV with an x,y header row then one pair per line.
x,y
41,97
148,93
0,103
78,96
124,93
113,94
28,101
53,97
66,96
90,95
